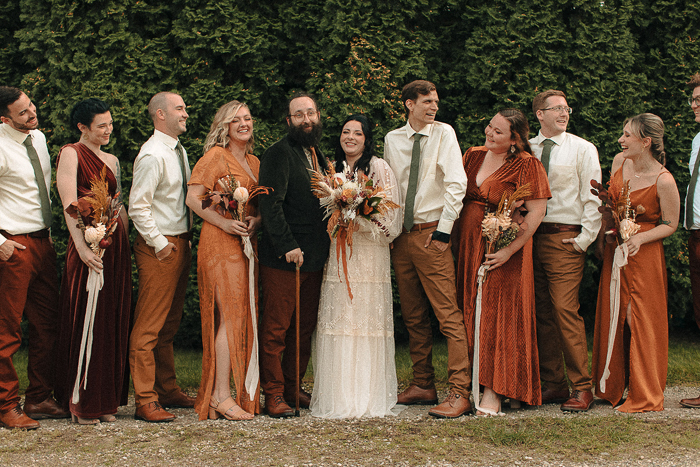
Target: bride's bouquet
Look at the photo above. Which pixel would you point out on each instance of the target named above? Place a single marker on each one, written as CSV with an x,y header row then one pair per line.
x,y
350,199
97,214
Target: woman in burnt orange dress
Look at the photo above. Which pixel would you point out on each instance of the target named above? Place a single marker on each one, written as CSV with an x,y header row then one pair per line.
x,y
639,345
223,271
508,362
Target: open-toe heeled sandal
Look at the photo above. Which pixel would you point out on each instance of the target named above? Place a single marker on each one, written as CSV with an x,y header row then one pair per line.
x,y
84,421
227,409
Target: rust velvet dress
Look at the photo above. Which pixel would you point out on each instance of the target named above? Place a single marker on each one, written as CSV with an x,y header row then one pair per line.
x,y
640,350
107,379
222,265
508,351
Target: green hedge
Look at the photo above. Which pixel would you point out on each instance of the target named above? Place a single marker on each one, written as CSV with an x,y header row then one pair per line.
x,y
612,58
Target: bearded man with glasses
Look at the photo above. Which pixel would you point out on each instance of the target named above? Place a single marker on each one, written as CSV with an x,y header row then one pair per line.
x,y
294,236
570,225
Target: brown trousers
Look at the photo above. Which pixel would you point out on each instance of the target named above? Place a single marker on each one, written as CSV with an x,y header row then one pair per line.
x,y
694,257
278,327
162,287
426,277
29,286
558,271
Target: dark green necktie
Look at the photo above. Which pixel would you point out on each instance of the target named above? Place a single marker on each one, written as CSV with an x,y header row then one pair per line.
x,y
40,181
548,143
181,158
691,193
412,183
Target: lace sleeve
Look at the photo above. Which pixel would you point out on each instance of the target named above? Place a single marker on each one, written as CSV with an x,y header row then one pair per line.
x,y
383,176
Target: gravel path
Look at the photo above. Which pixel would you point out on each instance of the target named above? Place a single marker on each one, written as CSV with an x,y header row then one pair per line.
x,y
307,441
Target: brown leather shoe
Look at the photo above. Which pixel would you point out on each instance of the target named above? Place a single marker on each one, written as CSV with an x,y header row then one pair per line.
x,y
691,403
153,412
179,400
455,405
580,401
276,407
16,418
550,396
47,409
413,395
304,399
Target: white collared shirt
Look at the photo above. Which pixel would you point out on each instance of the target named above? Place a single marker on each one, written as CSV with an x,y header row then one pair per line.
x,y
573,163
20,202
157,198
696,198
442,182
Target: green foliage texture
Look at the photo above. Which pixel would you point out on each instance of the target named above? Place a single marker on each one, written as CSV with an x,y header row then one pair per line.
x,y
613,58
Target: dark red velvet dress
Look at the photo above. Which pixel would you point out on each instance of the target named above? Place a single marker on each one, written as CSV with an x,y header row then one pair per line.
x,y
107,381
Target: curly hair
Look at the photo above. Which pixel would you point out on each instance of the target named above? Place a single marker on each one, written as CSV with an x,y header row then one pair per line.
x,y
519,129
218,132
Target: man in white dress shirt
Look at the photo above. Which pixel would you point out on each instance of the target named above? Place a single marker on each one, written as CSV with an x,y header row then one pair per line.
x,y
570,225
162,252
692,216
28,275
426,159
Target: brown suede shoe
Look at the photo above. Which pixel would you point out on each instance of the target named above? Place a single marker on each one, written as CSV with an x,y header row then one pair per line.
x,y
550,396
153,412
304,399
276,407
179,400
580,401
413,395
16,418
454,406
691,403
47,409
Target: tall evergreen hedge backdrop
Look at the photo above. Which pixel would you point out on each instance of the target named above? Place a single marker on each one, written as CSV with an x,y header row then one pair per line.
x,y
613,58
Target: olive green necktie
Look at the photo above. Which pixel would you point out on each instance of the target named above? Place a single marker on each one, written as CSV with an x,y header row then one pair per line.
x,y
548,143
181,158
40,181
691,193
412,183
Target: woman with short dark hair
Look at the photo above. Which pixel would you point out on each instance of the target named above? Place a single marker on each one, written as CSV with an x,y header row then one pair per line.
x,y
103,379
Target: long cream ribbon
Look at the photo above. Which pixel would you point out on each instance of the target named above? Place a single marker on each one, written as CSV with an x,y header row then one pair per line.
x,y
481,275
253,374
619,261
94,285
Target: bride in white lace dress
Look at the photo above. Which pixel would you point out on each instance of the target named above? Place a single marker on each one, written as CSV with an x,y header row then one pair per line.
x,y
354,367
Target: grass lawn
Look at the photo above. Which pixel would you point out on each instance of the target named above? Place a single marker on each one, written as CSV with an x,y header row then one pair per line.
x,y
683,364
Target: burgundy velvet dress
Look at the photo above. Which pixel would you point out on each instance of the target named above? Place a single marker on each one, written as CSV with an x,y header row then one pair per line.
x,y
107,381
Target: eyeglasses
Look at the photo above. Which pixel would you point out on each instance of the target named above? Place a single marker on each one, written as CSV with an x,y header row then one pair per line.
x,y
560,109
300,115
694,100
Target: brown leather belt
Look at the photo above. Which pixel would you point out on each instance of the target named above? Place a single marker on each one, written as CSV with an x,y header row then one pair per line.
x,y
184,236
419,227
43,233
552,228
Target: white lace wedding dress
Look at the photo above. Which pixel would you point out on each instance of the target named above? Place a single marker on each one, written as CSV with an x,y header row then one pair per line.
x,y
353,358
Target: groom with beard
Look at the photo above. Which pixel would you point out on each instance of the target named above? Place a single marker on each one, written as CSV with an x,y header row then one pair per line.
x,y
294,236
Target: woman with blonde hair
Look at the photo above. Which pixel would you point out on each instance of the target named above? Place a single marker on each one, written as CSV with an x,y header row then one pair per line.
x,y
630,342
227,297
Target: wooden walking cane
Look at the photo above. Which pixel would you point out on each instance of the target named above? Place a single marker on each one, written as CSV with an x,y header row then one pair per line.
x,y
296,411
